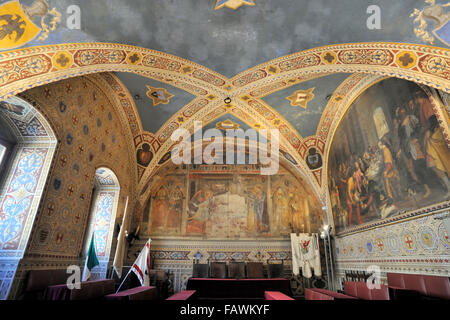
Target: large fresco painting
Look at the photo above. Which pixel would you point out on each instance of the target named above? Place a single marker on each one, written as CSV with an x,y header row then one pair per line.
x,y
166,205
230,202
388,156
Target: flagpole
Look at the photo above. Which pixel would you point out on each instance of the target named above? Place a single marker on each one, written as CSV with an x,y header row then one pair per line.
x,y
120,243
137,266
124,280
119,248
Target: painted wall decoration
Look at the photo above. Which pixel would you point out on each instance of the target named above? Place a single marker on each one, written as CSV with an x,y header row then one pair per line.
x,y
388,155
314,159
86,120
144,155
418,246
175,256
229,202
86,117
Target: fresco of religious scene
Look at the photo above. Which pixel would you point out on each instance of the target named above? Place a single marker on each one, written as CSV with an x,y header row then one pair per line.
x,y
388,156
294,208
166,207
232,202
228,207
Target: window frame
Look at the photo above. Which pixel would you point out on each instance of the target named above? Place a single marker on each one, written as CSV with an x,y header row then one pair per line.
x,y
9,147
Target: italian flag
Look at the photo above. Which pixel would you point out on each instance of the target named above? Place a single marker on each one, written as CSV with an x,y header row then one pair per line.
x,y
91,260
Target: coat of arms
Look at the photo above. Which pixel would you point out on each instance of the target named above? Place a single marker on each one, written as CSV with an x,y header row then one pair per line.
x,y
17,25
437,13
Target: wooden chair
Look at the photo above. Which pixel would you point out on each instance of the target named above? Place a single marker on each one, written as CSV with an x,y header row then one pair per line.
x,y
255,270
218,270
236,270
200,270
275,270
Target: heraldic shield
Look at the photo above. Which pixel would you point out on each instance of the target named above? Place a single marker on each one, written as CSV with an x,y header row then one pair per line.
x,y
16,29
443,33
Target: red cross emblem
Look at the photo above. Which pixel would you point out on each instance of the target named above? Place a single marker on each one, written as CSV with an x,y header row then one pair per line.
x,y
409,242
380,245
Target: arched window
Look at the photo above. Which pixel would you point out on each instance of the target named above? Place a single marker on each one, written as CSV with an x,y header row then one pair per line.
x,y
104,204
27,146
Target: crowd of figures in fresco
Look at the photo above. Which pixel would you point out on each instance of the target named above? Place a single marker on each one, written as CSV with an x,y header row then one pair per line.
x,y
404,162
233,204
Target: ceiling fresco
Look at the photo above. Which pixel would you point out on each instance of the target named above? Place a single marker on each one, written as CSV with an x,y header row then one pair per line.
x,y
154,116
232,36
290,65
223,122
305,119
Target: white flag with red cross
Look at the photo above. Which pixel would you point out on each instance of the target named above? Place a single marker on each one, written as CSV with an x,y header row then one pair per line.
x,y
141,267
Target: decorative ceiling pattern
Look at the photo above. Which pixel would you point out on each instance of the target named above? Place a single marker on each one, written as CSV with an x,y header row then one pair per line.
x,y
154,110
226,40
28,68
304,103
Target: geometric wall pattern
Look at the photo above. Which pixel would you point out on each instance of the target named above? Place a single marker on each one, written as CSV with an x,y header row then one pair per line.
x,y
87,121
419,246
91,135
176,257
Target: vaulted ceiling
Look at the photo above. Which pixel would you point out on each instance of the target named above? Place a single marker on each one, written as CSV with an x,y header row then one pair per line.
x,y
231,41
226,48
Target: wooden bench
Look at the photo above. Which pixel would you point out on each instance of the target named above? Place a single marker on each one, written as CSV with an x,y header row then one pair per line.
x,y
276,295
138,293
39,280
183,295
314,295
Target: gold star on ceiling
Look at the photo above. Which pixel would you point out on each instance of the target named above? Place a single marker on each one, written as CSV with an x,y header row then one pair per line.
x,y
301,98
233,4
159,95
227,125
